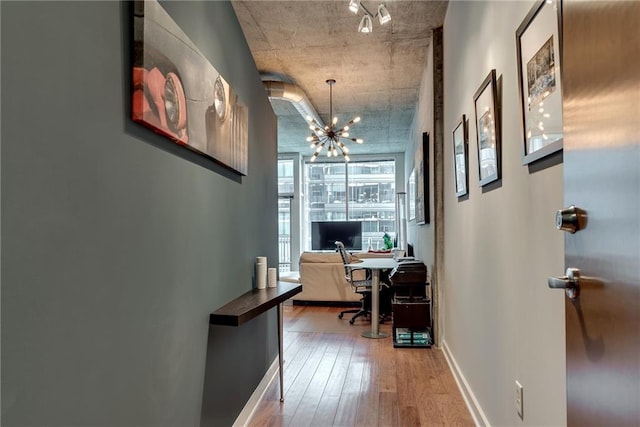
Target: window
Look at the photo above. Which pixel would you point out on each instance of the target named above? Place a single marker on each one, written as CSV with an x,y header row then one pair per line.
x,y
285,192
359,191
285,177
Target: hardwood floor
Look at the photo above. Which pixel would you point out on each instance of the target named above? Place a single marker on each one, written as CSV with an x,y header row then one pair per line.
x,y
335,377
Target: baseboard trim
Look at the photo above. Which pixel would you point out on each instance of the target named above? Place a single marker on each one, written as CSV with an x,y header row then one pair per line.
x,y
256,397
479,417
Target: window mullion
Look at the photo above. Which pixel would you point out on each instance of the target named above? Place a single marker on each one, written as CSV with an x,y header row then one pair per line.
x,y
346,190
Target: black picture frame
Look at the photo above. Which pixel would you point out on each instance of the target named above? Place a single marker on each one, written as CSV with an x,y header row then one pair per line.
x,y
422,181
177,93
538,53
487,113
461,157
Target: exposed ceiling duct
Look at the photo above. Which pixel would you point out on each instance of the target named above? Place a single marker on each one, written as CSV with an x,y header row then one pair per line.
x,y
379,75
296,96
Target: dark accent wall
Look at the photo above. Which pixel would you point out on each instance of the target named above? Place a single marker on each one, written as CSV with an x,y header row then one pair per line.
x,y
116,243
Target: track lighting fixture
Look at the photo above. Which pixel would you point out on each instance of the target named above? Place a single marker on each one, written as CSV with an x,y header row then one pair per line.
x,y
366,25
330,136
383,14
354,6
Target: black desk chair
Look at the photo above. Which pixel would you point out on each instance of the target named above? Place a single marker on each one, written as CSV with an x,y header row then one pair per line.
x,y
361,283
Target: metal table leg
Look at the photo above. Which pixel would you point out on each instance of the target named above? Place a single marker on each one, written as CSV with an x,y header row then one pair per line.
x,y
280,352
375,307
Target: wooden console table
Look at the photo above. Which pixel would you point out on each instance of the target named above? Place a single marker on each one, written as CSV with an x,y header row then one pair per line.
x,y
252,304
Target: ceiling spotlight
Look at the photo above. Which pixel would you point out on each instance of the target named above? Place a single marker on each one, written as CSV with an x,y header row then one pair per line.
x,y
330,137
383,14
366,26
354,6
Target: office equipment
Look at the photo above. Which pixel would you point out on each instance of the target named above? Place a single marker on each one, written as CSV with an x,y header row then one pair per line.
x,y
411,305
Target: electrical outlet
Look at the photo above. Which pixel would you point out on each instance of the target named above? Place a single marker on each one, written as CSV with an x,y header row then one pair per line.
x,y
519,400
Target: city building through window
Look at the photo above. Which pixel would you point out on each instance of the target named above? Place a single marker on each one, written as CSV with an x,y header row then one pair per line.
x,y
355,191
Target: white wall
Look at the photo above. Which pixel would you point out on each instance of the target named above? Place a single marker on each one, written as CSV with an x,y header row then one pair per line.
x,y
501,322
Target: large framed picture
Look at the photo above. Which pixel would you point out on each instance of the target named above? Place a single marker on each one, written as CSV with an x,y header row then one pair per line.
x,y
488,130
179,94
538,48
460,156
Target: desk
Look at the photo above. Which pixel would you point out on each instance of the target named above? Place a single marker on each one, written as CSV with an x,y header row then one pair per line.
x,y
253,303
375,265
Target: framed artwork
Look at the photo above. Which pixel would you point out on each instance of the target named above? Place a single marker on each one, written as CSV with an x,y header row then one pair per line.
x,y
180,95
488,130
460,157
422,180
538,48
411,186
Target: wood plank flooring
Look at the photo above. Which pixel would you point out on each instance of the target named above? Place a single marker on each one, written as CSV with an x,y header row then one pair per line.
x,y
335,377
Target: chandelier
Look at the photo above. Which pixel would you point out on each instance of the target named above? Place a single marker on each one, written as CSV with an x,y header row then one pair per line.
x,y
330,136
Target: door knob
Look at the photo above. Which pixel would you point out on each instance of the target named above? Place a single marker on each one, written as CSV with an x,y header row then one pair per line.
x,y
570,283
570,219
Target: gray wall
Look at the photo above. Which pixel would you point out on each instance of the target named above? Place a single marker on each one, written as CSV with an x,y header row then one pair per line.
x,y
501,323
117,243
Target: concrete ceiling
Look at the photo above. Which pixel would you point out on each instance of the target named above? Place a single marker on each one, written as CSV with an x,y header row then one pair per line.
x,y
377,75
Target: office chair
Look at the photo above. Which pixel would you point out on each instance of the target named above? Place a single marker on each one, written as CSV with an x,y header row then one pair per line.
x,y
360,285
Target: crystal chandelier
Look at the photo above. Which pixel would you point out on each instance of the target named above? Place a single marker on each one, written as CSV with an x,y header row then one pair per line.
x,y
330,136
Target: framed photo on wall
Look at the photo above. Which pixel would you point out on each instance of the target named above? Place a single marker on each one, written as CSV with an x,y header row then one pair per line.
x,y
180,95
422,180
538,48
460,157
411,186
488,130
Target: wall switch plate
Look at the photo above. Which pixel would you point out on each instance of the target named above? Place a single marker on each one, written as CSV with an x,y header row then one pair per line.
x,y
519,400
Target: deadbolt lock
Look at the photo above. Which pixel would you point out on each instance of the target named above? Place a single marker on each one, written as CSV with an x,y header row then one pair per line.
x,y
571,219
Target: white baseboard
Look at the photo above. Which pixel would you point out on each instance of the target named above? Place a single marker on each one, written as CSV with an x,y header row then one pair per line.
x,y
252,404
479,417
